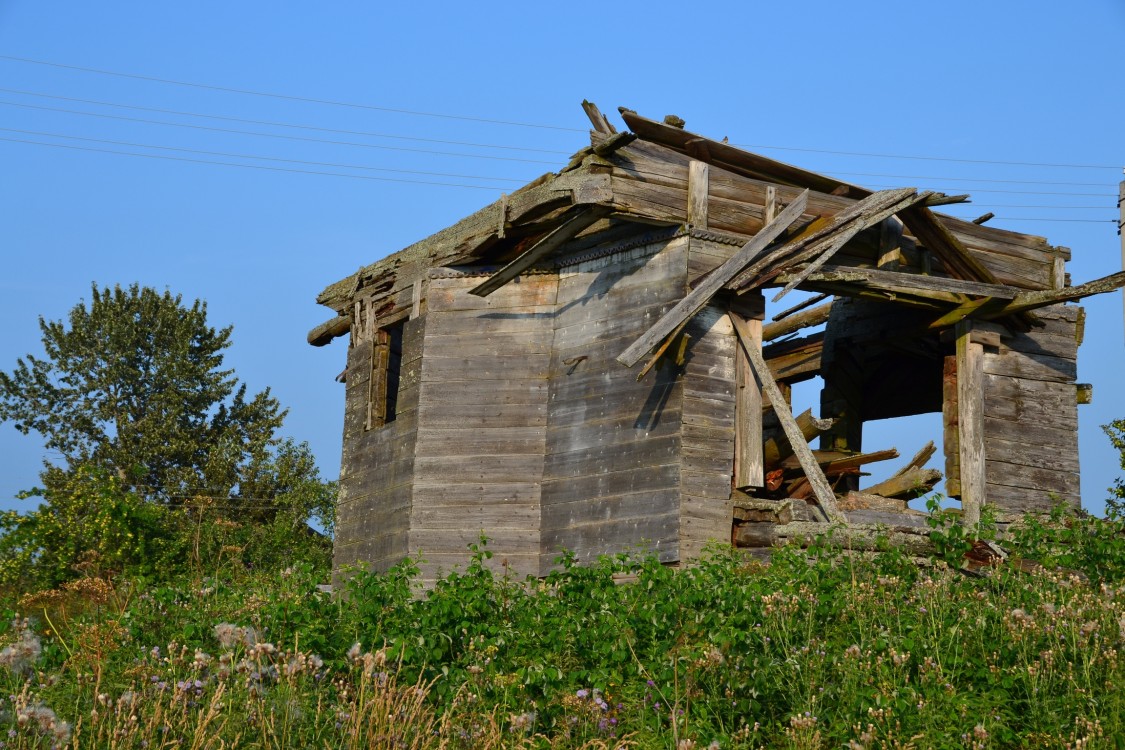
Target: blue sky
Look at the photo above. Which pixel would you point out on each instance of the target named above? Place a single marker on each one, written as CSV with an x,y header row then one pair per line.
x,y
955,86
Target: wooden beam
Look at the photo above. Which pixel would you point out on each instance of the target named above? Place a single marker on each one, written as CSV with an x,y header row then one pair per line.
x,y
869,211
769,211
812,317
984,217
329,330
800,306
1025,301
910,483
749,457
959,262
825,497
941,199
970,425
584,218
613,143
776,450
919,460
907,283
597,120
698,298
661,350
735,159
697,188
890,244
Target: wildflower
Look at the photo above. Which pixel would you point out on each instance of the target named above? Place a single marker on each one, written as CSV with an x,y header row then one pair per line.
x,y
583,693
852,652
354,652
21,655
522,722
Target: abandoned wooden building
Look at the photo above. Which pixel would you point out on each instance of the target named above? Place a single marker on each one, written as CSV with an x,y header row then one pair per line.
x,y
584,364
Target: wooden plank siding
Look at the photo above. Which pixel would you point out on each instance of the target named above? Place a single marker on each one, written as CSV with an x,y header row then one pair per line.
x,y
1031,416
708,437
483,406
377,465
612,464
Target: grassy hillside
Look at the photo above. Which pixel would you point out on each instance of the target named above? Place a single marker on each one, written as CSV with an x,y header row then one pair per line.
x,y
817,648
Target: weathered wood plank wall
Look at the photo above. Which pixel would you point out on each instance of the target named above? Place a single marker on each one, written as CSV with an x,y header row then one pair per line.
x,y
611,476
1031,415
482,409
377,466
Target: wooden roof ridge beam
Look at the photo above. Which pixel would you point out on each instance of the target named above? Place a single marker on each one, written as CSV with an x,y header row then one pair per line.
x,y
825,497
697,298
1027,301
868,212
733,158
582,219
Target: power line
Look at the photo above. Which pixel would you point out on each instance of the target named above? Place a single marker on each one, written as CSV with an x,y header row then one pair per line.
x,y
281,124
933,158
246,166
1007,192
265,158
271,135
1036,218
288,97
961,179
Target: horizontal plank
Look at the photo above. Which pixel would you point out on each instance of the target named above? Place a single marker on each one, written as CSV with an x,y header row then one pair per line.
x,y
1062,458
639,536
441,369
485,469
454,491
1031,366
610,509
1016,475
485,516
479,441
593,488
633,455
530,321
484,342
483,392
469,415
1048,438
525,291
1023,500
705,484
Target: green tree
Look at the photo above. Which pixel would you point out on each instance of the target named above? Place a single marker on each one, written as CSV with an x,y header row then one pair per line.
x,y
1115,504
132,393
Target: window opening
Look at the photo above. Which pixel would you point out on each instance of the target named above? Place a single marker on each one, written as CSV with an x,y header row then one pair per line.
x,y
386,374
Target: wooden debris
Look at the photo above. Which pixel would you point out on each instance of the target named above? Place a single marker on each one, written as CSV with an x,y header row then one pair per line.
x,y
910,484
598,121
825,497
698,298
541,249
795,322
984,217
919,460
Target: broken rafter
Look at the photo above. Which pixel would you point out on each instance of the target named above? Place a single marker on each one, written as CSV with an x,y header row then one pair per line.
x,y
825,497
937,238
919,460
597,120
867,212
698,298
581,220
1026,301
806,318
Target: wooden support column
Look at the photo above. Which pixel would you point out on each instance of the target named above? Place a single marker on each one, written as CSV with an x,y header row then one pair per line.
x,y
825,497
697,187
970,423
749,459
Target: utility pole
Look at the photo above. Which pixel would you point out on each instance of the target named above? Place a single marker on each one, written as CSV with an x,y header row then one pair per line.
x,y
1121,225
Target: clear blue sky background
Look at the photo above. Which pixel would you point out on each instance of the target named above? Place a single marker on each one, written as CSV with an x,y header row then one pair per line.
x,y
1033,81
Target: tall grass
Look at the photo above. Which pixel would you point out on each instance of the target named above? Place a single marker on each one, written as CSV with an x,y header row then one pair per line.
x,y
817,649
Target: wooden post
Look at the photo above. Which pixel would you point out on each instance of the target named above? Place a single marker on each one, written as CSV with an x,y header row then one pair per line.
x,y
970,424
890,239
771,204
697,187
749,457
825,497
